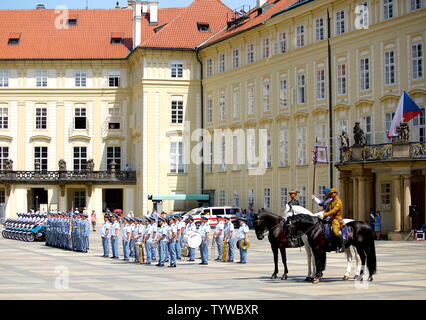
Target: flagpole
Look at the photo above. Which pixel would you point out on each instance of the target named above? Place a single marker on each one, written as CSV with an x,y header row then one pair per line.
x,y
314,177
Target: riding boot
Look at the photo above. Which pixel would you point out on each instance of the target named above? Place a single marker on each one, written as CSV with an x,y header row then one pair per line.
x,y
339,244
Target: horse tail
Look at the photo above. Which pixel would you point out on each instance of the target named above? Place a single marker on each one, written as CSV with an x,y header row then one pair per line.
x,y
371,255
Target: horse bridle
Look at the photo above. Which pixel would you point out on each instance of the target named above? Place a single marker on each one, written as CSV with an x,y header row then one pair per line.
x,y
271,229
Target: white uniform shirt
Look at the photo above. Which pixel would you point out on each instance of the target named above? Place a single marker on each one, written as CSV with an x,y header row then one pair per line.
x,y
242,231
154,232
126,228
106,226
163,231
190,227
229,227
170,230
140,230
204,228
220,227
114,226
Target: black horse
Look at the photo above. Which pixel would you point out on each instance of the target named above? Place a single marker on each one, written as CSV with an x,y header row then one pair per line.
x,y
360,236
274,224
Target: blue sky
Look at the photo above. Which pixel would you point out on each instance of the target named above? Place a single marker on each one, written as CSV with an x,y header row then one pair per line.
x,y
81,4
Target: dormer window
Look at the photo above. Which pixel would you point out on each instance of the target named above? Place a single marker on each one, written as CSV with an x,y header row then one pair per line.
x,y
203,27
14,38
72,22
117,38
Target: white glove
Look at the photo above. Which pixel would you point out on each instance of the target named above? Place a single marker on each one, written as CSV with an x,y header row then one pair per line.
x,y
316,199
319,214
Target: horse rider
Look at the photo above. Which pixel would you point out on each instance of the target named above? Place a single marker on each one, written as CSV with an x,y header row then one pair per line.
x,y
335,212
243,235
293,201
218,236
228,233
327,199
204,247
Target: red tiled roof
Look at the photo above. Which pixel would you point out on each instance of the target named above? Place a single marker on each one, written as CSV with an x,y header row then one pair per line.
x,y
254,20
182,32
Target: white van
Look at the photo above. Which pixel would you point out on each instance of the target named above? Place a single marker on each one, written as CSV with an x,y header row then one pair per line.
x,y
212,213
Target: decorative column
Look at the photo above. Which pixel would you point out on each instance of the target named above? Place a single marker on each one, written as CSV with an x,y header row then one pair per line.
x,y
407,202
355,197
344,189
397,202
361,199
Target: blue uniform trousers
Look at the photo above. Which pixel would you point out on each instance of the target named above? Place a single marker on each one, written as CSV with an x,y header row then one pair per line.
x,y
178,248
219,247
162,245
105,246
114,247
231,249
243,255
132,247
136,251
204,250
172,252
126,249
148,252
191,253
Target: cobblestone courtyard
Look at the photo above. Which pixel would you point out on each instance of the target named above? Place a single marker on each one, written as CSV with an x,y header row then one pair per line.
x,y
34,271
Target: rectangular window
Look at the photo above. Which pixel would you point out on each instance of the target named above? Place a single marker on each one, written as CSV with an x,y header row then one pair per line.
x,y
388,10
321,133
321,191
80,79
4,118
79,199
209,67
390,67
177,70
301,146
222,155
114,154
235,166
177,112
300,36
41,118
209,110
250,53
341,79
209,156
235,58
114,111
266,50
321,84
283,42
176,158
417,61
419,124
4,156
222,198
80,120
235,200
416,5
364,74
301,89
385,196
40,158
340,22
222,65
114,79
284,149
250,100
251,149
250,197
222,107
267,198
283,197
236,104
319,29
302,196
388,121
283,93
80,158
268,163
4,78
266,96
41,78
368,129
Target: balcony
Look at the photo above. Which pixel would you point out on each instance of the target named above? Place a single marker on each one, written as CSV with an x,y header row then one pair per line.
x,y
64,177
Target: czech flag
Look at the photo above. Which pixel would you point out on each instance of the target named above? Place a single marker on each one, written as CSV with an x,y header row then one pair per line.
x,y
407,110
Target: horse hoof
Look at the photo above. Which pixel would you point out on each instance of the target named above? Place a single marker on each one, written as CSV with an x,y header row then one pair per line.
x,y
315,281
356,277
370,278
309,279
345,277
284,277
274,276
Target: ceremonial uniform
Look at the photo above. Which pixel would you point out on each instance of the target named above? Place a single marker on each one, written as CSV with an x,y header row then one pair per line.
x,y
293,202
335,212
229,233
148,241
189,228
115,226
138,234
153,238
204,247
242,232
171,243
126,234
105,236
219,234
162,236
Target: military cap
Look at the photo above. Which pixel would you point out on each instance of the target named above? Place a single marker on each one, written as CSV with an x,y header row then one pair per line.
x,y
227,218
334,190
243,219
189,218
327,190
161,219
204,218
294,192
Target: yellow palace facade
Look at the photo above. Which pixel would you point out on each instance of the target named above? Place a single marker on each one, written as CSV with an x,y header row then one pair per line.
x,y
99,116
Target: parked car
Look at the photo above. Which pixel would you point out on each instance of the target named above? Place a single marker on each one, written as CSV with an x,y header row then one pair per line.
x,y
212,213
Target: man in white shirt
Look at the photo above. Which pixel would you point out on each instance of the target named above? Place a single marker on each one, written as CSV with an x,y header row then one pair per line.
x,y
105,236
218,236
126,235
228,233
243,236
190,227
114,230
204,247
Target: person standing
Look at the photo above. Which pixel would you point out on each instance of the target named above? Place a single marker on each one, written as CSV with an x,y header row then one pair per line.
x,y
171,241
378,224
228,233
105,236
149,239
138,233
180,226
372,217
243,236
218,236
204,247
93,220
190,227
133,226
126,235
114,230
162,241
250,217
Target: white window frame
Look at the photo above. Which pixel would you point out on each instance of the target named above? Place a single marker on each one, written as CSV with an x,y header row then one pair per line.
x,y
341,79
301,145
114,79
364,72
364,15
4,78
417,61
235,200
4,156
320,84
389,63
176,69
282,38
419,124
41,78
4,117
209,67
301,88
266,48
235,58
284,147
283,85
177,158
302,196
385,195
267,198
251,53
283,197
266,95
43,157
300,36
80,77
79,162
222,63
236,104
250,197
319,29
368,126
41,115
114,153
209,110
340,22
388,9
222,198
222,107
80,112
415,5
176,111
251,107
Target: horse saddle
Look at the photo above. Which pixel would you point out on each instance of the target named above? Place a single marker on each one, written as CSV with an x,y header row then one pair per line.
x,y
329,232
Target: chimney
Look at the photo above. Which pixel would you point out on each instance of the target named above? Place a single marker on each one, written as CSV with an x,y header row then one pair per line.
x,y
137,32
117,5
153,13
260,3
40,6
